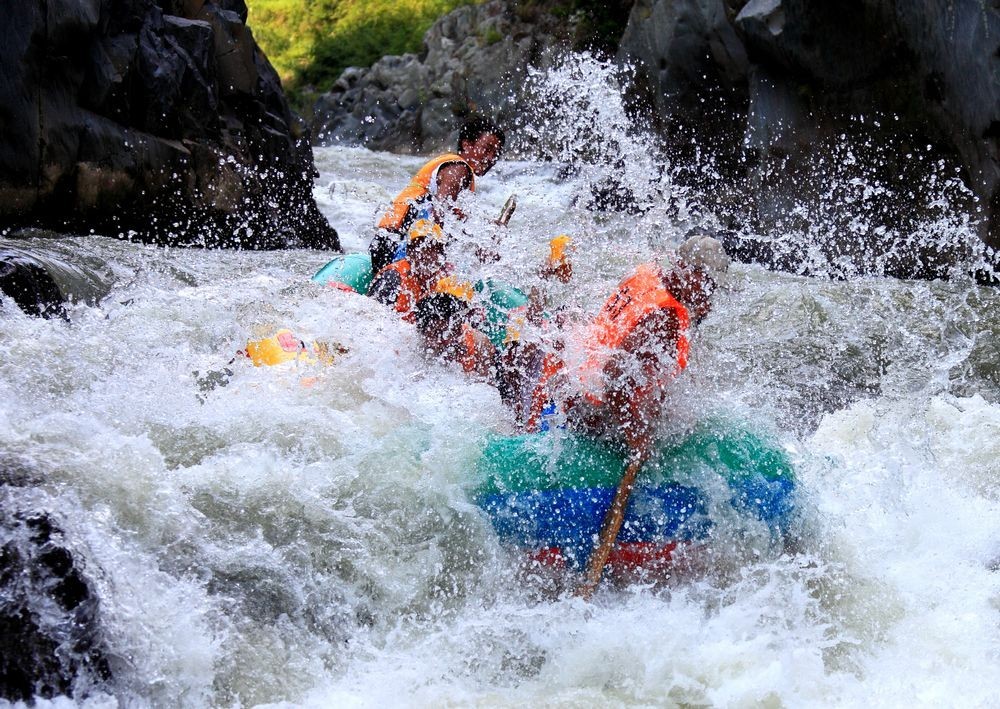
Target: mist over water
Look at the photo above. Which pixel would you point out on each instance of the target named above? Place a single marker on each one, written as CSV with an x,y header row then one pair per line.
x,y
304,535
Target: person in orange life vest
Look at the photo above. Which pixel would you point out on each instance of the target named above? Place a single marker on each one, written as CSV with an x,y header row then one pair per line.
x,y
402,283
639,342
445,320
437,185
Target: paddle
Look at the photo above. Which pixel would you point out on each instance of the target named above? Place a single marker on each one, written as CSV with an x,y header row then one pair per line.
x,y
507,211
486,254
612,525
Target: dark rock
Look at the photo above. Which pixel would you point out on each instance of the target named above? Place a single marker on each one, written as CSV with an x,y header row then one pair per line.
x,y
612,196
155,119
695,68
900,95
474,60
49,612
39,274
28,284
955,46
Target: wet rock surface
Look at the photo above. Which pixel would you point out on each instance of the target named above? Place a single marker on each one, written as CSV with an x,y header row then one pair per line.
x,y
901,94
27,284
158,120
474,60
50,617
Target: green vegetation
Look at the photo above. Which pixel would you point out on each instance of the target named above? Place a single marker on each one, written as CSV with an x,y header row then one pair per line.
x,y
310,42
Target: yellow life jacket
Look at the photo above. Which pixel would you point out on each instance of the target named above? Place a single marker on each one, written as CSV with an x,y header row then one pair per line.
x,y
284,346
419,189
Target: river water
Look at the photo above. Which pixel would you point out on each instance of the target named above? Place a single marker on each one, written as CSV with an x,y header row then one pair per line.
x,y
304,537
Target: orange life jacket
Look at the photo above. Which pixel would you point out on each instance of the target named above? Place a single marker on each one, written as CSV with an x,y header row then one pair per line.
x,y
468,358
419,188
471,343
638,295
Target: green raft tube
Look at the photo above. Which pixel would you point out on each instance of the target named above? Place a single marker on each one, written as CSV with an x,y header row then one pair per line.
x,y
548,492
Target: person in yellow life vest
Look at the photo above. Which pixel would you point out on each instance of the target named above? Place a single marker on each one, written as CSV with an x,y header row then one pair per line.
x,y
446,322
638,343
436,186
402,283
558,265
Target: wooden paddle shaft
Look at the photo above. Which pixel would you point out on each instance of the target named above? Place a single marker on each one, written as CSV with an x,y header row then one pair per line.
x,y
609,531
508,210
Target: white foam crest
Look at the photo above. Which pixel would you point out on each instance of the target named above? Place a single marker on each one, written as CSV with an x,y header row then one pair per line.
x,y
304,534
909,502
580,120
762,640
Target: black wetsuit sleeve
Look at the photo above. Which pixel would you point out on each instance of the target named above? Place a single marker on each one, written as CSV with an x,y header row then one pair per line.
x,y
385,287
382,249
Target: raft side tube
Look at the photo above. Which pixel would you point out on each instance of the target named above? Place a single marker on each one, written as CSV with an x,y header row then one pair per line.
x,y
352,272
552,491
540,461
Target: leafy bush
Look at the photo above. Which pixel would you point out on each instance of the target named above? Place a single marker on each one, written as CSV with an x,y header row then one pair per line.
x,y
313,41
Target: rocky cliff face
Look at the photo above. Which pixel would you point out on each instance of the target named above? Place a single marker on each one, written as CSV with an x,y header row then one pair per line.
x,y
155,119
801,106
899,93
474,59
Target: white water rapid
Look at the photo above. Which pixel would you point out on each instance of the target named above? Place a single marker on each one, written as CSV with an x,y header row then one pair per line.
x,y
290,541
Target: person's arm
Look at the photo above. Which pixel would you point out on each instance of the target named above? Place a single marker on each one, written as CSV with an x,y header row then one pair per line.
x,y
385,287
485,357
635,374
558,265
452,180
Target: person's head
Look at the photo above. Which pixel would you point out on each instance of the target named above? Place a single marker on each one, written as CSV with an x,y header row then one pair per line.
x,y
480,142
425,249
439,318
699,269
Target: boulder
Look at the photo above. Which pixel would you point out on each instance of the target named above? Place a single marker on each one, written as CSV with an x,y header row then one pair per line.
x,y
695,68
39,275
897,96
25,282
474,60
955,46
49,609
158,120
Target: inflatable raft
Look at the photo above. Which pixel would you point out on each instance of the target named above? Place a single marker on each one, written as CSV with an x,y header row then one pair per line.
x,y
548,493
350,272
353,272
